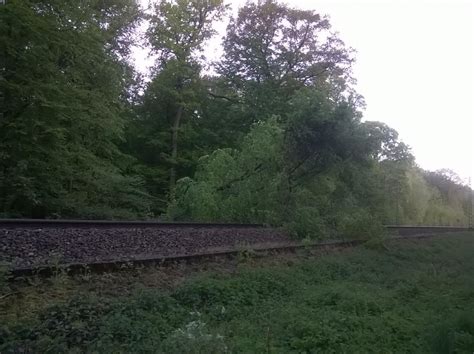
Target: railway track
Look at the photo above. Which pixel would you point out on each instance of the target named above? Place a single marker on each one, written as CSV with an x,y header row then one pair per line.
x,y
53,223
188,234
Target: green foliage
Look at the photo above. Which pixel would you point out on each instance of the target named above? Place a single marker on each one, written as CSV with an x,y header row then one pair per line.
x,y
417,197
235,185
4,278
409,297
311,173
179,28
361,226
193,338
454,335
272,50
272,133
63,115
172,100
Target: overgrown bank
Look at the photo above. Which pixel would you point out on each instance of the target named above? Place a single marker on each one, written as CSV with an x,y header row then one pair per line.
x,y
415,296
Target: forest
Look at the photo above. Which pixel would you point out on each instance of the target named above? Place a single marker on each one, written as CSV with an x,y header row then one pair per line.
x,y
272,132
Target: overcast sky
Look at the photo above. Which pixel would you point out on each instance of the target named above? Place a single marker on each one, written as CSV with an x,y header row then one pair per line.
x,y
415,68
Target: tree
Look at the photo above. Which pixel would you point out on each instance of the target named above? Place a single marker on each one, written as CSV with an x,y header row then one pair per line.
x,y
236,184
272,50
302,172
321,132
386,143
178,30
62,115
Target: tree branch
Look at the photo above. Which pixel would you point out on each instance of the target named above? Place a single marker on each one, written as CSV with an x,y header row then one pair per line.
x,y
223,97
241,178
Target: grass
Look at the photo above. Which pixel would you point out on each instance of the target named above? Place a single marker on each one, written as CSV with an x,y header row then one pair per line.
x,y
412,296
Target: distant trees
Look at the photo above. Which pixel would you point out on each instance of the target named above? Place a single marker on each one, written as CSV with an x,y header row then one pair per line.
x,y
451,199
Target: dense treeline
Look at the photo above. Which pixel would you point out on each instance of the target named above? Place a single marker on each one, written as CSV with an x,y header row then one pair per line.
x,y
64,84
272,132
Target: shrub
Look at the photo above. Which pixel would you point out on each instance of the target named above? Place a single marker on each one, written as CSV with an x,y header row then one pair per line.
x,y
194,338
361,226
454,335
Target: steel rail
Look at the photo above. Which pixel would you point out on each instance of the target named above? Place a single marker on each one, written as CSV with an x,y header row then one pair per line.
x,y
62,223
397,232
402,230
434,227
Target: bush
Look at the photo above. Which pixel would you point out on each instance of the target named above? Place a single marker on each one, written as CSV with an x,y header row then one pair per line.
x,y
194,338
361,226
306,223
454,335
4,277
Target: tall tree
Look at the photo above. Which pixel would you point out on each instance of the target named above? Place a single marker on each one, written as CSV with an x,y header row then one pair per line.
x,y
272,50
178,30
62,81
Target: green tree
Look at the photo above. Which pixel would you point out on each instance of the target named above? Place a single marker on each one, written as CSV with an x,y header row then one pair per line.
x,y
178,30
272,50
394,163
307,172
236,184
63,85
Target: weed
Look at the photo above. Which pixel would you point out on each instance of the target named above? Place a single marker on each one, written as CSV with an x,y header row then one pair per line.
x,y
85,273
245,255
5,276
194,337
413,297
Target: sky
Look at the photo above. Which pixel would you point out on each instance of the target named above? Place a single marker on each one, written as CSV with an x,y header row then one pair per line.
x,y
414,67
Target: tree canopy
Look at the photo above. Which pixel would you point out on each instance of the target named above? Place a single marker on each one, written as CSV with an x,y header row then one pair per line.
x,y
63,81
273,133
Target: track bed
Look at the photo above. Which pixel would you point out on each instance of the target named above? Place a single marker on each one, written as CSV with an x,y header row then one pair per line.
x,y
33,247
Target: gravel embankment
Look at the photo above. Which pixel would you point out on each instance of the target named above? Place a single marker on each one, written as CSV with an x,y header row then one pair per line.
x,y
36,247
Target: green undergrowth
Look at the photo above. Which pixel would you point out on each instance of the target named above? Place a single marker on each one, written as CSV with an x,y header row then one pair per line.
x,y
410,296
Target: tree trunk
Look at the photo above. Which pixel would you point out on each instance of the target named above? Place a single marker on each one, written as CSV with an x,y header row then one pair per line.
x,y
174,150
